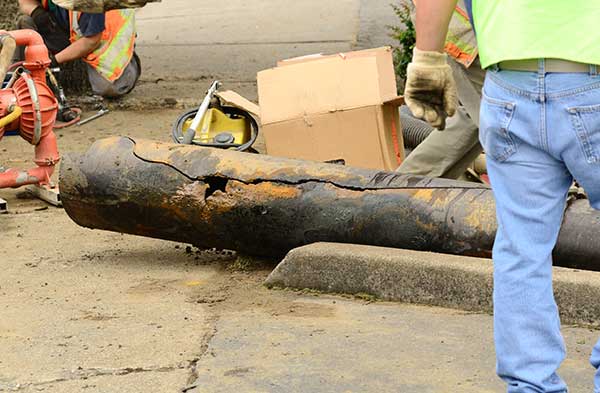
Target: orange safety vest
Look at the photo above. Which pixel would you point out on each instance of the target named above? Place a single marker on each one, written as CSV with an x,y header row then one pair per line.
x,y
116,45
461,43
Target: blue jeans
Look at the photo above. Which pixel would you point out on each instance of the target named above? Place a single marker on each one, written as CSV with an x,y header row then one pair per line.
x,y
540,131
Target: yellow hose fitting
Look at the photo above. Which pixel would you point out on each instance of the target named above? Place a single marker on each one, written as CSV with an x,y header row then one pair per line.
x,y
15,113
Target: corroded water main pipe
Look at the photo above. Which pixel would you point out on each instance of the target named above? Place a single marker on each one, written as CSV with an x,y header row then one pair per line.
x,y
263,205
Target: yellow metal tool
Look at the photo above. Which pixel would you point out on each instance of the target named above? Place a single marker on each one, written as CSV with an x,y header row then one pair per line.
x,y
215,124
221,128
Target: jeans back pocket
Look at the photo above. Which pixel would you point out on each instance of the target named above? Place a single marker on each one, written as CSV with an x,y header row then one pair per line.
x,y
586,123
495,118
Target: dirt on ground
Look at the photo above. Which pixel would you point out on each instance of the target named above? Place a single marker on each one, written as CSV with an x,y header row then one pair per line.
x,y
7,16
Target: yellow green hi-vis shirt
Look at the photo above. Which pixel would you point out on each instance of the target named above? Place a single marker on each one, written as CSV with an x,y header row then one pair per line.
x,y
533,29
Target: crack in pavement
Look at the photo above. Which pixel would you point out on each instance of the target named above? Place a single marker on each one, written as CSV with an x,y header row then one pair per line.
x,y
204,345
79,374
88,373
213,320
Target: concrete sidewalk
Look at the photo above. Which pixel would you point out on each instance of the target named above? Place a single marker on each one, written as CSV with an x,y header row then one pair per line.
x,y
329,344
332,345
233,40
185,44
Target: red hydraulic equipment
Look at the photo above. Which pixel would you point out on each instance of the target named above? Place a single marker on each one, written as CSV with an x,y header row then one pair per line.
x,y
28,106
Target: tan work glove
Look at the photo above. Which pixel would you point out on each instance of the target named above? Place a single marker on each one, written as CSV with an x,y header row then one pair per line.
x,y
430,91
99,6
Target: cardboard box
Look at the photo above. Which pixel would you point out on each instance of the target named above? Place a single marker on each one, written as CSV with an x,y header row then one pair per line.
x,y
231,98
342,106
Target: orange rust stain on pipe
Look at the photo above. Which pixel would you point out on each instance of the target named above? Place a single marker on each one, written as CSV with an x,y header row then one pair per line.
x,y
266,190
107,143
481,218
189,195
427,226
193,191
425,195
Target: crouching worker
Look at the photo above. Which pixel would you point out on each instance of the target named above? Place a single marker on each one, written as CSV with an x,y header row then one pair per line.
x,y
104,41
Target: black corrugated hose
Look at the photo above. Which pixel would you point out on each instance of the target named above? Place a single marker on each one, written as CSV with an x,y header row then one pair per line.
x,y
414,130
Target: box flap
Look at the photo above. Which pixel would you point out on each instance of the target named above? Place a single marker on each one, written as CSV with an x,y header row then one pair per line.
x,y
344,55
397,101
231,98
301,59
327,84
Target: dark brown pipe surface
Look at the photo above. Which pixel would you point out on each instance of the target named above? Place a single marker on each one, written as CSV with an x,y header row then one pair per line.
x,y
265,206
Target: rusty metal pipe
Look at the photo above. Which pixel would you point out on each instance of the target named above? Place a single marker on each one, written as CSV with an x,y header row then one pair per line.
x,y
265,206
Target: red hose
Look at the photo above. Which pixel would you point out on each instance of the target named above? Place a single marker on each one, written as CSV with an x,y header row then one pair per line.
x,y
16,65
59,125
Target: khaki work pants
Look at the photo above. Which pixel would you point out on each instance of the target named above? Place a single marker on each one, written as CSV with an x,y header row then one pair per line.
x,y
126,82
449,153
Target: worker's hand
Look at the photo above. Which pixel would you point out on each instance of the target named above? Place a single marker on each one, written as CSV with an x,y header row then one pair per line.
x,y
430,92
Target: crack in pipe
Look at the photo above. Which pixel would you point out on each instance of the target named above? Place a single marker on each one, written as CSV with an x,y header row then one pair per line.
x,y
378,178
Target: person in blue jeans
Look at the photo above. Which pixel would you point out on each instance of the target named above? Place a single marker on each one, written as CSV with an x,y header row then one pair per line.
x,y
540,128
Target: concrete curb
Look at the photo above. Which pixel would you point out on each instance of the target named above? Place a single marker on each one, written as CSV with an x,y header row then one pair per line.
x,y
422,278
